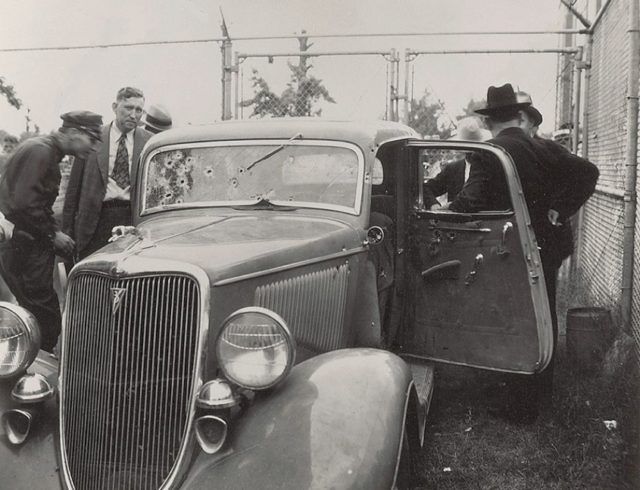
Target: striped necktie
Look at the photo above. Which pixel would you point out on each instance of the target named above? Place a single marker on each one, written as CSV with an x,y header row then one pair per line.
x,y
121,165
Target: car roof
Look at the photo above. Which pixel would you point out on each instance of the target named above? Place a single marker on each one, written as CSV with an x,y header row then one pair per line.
x,y
363,133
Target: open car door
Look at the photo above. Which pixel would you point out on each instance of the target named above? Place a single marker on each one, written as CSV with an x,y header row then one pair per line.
x,y
474,288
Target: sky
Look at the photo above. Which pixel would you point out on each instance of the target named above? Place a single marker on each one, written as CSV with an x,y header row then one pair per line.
x,y
185,78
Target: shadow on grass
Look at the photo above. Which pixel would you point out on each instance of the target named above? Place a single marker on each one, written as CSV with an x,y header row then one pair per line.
x,y
569,447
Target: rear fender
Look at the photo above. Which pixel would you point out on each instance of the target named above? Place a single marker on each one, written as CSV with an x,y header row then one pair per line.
x,y
32,464
336,422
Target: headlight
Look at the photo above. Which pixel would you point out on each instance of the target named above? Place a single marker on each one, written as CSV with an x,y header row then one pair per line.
x,y
255,349
19,339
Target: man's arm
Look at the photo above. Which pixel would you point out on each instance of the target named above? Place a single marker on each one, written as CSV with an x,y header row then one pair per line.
x,y
435,187
575,178
72,196
30,210
485,189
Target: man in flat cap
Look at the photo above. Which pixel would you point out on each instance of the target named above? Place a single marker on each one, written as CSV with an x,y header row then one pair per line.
x,y
28,190
100,187
551,198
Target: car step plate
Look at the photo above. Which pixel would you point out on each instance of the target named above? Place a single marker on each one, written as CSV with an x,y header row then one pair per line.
x,y
423,372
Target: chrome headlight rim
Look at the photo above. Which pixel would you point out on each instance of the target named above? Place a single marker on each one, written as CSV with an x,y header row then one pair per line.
x,y
290,341
32,329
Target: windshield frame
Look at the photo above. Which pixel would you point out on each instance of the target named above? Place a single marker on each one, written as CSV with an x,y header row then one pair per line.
x,y
355,210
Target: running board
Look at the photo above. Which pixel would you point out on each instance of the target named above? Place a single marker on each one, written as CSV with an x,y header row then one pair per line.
x,y
422,372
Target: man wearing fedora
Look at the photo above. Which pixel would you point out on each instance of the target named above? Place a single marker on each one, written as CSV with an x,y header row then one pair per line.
x,y
552,195
100,187
455,173
31,237
570,170
157,119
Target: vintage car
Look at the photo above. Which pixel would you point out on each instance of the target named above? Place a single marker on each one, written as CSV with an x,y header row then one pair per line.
x,y
271,319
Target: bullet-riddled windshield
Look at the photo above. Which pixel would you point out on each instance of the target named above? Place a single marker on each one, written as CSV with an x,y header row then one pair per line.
x,y
323,175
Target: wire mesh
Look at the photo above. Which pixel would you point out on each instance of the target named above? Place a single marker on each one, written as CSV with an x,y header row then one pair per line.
x,y
338,87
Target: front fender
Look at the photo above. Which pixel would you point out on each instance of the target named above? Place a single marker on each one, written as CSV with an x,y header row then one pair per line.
x,y
336,422
33,464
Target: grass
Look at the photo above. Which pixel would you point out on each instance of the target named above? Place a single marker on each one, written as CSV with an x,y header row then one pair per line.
x,y
569,447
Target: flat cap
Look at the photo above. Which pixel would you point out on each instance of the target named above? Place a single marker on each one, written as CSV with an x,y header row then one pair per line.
x,y
86,121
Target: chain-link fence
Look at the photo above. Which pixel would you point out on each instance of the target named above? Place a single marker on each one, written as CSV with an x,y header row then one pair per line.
x,y
334,85
431,73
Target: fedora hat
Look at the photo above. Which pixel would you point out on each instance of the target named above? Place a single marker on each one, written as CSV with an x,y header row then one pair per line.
x,y
157,119
469,129
501,99
531,111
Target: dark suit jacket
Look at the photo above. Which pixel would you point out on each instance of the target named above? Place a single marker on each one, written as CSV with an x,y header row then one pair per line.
x,y
551,178
449,180
88,184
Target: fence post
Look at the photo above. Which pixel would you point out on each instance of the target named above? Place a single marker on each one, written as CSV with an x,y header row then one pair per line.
x,y
227,69
577,79
407,99
393,88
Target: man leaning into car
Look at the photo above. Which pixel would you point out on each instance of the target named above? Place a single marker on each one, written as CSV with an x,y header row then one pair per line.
x,y
28,190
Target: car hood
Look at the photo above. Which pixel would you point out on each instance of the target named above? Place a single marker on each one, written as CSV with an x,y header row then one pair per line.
x,y
230,246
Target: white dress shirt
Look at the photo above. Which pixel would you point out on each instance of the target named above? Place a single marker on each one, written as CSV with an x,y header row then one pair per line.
x,y
467,168
6,229
114,191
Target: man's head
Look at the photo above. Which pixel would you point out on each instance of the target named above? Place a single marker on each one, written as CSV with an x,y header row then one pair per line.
x,y
503,109
9,144
128,108
531,117
470,129
80,132
157,119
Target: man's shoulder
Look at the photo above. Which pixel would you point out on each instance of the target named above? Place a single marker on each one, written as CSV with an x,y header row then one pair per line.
x,y
32,147
509,135
551,145
142,134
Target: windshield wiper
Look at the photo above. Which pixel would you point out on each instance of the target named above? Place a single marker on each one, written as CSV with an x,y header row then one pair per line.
x,y
278,149
264,204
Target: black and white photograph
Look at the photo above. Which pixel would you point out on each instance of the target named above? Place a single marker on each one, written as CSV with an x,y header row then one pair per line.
x,y
297,245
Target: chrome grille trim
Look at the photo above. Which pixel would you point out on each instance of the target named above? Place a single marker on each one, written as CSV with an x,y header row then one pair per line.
x,y
318,297
154,412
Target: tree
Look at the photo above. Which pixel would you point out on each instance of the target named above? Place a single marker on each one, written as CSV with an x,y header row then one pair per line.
x,y
299,98
9,93
471,107
428,117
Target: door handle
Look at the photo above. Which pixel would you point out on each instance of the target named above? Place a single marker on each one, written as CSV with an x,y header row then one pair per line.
x,y
502,248
473,274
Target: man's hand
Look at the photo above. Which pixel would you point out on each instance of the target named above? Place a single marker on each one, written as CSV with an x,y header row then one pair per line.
x,y
435,207
63,244
553,216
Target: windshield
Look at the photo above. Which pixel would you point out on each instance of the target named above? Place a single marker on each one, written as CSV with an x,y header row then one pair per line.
x,y
322,174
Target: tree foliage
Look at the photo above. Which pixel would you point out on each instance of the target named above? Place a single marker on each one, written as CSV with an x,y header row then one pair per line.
x,y
9,93
471,107
299,98
428,117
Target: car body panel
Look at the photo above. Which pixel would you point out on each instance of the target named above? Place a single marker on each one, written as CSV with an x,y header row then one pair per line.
x,y
33,464
234,245
336,422
480,297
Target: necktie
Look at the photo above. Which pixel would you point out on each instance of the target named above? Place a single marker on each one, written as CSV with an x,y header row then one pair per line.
x,y
121,165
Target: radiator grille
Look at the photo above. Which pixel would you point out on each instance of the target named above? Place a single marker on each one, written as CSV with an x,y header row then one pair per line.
x,y
313,305
127,377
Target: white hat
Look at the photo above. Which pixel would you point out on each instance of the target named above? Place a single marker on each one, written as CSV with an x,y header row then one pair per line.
x,y
469,129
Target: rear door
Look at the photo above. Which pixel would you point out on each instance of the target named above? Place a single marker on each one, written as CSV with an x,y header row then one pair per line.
x,y
474,282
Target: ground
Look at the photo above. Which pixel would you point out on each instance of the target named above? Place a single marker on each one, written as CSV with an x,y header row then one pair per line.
x,y
572,446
